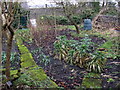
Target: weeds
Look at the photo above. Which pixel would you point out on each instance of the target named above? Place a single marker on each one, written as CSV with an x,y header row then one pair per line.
x,y
42,57
14,59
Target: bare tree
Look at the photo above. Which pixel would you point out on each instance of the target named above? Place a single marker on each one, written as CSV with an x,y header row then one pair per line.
x,y
9,9
69,9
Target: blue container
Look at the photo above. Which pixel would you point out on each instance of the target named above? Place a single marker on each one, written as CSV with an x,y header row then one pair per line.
x,y
87,24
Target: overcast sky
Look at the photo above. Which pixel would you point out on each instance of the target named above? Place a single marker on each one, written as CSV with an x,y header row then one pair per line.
x,y
38,3
41,3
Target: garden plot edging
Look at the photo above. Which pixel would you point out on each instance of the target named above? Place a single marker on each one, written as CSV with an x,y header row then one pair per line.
x,y
32,70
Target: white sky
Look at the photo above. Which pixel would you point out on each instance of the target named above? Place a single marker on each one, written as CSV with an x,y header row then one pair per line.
x,y
38,3
41,3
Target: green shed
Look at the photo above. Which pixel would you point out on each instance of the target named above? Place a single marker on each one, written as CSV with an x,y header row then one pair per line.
x,y
23,21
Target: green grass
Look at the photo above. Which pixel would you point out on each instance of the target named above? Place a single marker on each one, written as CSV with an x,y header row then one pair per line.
x,y
32,73
24,35
72,27
107,45
91,80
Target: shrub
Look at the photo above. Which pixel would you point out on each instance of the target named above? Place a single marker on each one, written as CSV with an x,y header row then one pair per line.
x,y
97,62
79,53
62,20
73,51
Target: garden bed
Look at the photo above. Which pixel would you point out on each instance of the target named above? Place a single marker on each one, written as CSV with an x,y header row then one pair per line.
x,y
15,55
66,75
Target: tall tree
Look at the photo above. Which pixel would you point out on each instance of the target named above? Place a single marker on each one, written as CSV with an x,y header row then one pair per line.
x,y
9,10
69,9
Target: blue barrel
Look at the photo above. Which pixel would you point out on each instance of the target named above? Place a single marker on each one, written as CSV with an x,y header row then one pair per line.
x,y
87,24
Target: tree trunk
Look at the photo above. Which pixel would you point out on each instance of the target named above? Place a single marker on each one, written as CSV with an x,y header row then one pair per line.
x,y
103,4
11,8
8,53
77,28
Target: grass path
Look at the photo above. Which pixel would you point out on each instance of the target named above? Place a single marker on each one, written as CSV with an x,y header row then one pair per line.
x,y
32,73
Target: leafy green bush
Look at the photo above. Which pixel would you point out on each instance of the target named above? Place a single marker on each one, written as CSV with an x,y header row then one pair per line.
x,y
62,20
97,62
79,53
73,51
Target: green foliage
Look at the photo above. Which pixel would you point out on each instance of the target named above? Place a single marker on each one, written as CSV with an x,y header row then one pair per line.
x,y
92,75
77,19
62,20
72,27
87,13
43,58
111,11
3,57
112,48
14,59
73,51
107,44
91,80
26,79
110,80
33,74
96,6
97,62
25,35
79,53
19,12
